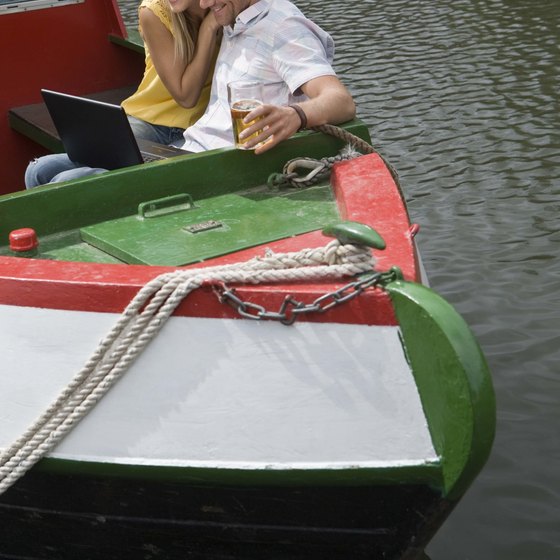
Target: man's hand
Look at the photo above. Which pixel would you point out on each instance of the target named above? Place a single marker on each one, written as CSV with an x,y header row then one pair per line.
x,y
277,124
328,101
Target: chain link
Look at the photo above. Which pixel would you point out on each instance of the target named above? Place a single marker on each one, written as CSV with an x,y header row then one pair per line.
x,y
291,309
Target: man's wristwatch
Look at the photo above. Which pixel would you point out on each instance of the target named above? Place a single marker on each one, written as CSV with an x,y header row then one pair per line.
x,y
302,116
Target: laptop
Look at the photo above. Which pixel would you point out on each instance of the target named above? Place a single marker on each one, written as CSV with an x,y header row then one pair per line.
x,y
98,134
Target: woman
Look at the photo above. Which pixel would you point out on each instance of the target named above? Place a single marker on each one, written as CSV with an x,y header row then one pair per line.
x,y
176,85
181,42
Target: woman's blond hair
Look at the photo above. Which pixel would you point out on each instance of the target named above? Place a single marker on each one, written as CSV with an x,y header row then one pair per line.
x,y
185,33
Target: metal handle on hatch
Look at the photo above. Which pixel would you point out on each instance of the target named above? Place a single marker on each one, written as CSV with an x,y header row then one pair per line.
x,y
165,205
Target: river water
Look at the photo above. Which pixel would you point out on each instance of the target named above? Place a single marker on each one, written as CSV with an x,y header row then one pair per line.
x,y
461,96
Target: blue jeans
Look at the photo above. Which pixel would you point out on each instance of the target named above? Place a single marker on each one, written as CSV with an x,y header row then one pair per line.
x,y
55,168
155,132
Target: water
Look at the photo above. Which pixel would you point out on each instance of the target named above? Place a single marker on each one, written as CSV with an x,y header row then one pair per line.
x,y
462,97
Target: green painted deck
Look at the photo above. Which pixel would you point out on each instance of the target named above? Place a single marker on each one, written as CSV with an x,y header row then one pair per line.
x,y
179,230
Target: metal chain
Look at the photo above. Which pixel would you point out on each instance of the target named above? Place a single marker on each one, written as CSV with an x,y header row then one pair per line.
x,y
291,309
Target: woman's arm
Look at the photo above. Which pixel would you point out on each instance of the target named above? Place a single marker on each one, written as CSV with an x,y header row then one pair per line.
x,y
183,81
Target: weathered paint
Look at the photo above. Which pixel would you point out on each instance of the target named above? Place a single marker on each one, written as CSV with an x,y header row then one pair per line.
x,y
165,236
381,207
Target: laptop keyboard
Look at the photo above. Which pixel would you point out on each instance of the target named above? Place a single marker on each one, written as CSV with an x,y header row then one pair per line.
x,y
150,157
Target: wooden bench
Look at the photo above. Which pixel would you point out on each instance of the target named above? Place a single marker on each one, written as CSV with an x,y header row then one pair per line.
x,y
34,120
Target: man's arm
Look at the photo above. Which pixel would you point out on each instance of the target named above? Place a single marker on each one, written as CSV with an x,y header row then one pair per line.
x,y
329,102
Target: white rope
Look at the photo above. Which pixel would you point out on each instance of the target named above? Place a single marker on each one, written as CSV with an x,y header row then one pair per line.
x,y
140,322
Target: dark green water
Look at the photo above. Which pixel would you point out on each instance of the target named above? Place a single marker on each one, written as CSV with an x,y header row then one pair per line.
x,y
462,97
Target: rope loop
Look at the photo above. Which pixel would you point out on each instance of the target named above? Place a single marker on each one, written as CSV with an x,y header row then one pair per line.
x,y
321,168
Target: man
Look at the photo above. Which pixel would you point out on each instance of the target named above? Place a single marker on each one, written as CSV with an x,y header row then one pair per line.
x,y
272,42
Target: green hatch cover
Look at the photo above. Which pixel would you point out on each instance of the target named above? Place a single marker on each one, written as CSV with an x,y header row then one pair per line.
x,y
176,230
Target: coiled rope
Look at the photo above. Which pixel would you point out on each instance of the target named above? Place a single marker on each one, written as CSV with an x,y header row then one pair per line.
x,y
321,168
140,322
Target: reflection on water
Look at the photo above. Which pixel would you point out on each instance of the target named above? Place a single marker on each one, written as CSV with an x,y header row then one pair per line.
x,y
462,97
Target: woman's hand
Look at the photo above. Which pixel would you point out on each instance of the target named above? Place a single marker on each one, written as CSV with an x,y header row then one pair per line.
x,y
183,79
210,24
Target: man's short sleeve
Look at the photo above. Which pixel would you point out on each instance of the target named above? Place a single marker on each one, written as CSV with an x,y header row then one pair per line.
x,y
302,51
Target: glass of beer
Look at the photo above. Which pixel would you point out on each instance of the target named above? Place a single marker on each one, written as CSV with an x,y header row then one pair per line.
x,y
243,96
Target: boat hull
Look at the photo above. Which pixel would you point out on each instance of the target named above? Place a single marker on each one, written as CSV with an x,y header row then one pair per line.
x,y
350,433
117,519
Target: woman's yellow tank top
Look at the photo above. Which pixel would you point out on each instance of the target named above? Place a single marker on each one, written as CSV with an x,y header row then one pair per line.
x,y
152,102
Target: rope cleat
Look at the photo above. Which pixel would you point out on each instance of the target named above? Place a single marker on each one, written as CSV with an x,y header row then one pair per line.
x,y
354,233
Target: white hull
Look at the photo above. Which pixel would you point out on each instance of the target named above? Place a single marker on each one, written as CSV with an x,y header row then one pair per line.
x,y
222,393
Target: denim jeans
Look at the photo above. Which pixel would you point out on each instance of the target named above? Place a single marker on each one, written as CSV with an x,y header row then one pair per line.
x,y
154,132
55,168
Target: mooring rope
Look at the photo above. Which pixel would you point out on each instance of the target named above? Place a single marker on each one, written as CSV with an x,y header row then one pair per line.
x,y
321,168
140,322
355,141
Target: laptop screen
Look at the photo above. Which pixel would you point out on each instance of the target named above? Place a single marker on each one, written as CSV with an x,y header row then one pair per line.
x,y
94,133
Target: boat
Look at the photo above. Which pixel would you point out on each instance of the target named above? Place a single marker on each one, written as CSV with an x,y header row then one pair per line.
x,y
224,355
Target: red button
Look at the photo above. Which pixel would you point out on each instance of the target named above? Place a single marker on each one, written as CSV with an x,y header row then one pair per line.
x,y
24,239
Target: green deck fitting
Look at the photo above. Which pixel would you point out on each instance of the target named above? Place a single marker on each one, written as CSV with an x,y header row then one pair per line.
x,y
355,233
178,231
